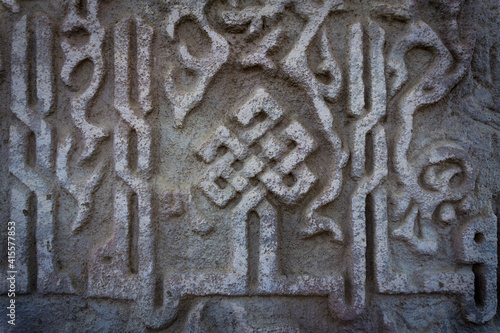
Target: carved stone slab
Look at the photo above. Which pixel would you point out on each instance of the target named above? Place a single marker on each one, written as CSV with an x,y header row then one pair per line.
x,y
250,166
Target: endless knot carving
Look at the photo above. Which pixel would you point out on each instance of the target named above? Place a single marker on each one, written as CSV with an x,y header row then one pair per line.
x,y
258,116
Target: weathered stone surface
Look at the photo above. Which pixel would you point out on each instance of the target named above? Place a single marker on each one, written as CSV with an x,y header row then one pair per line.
x,y
250,166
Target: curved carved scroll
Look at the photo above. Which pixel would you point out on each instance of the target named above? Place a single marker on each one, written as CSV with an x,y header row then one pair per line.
x,y
205,68
443,173
81,190
75,55
436,179
252,16
441,78
296,65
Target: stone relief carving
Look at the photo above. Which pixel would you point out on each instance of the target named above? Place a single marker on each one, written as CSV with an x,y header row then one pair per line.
x,y
11,5
348,173
204,68
31,151
75,54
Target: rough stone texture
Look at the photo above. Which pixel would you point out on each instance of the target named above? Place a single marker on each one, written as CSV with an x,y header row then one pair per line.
x,y
251,166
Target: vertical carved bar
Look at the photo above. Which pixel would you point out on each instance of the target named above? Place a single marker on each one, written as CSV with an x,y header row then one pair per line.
x,y
129,263
268,250
32,168
356,84
124,267
369,121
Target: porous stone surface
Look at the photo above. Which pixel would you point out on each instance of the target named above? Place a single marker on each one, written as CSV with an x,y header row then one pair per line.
x,y
250,166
